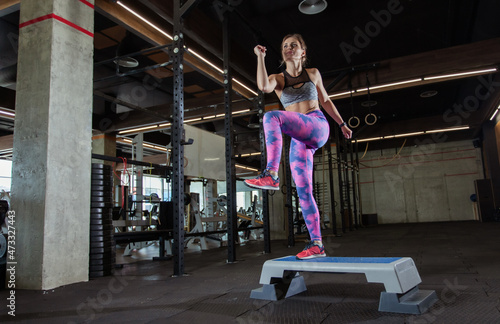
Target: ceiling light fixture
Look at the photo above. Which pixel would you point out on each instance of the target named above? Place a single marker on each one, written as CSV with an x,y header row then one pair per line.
x,y
413,134
240,111
192,120
409,134
138,129
389,85
245,167
369,103
312,7
151,146
7,113
144,19
448,129
436,77
460,74
495,113
340,94
428,94
128,62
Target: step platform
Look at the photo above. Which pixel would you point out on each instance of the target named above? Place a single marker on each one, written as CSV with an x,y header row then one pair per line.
x,y
280,278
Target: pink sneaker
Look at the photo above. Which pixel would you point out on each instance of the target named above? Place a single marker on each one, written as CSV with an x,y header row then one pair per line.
x,y
264,181
312,251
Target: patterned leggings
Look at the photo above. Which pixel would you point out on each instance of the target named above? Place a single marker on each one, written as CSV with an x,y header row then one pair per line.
x,y
309,132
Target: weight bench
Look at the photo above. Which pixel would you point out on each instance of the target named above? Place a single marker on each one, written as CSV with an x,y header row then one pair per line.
x,y
280,279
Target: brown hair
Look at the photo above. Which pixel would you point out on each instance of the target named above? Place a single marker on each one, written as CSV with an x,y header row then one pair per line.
x,y
302,44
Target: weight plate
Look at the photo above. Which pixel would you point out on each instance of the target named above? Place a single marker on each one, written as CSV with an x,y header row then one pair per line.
x,y
96,204
110,261
98,274
107,181
101,221
103,227
95,235
104,183
101,188
108,215
96,193
94,220
101,267
101,199
102,170
100,250
96,245
103,176
105,211
105,239
103,256
101,166
101,210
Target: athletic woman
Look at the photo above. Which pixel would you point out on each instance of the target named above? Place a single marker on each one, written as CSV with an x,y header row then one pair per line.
x,y
301,93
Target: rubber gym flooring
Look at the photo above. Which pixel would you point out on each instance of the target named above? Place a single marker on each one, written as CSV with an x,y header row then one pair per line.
x,y
459,260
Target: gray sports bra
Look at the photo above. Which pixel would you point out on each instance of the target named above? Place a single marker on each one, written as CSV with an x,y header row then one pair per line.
x,y
298,89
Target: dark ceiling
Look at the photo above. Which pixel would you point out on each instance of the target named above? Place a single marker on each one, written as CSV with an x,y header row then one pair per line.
x,y
352,43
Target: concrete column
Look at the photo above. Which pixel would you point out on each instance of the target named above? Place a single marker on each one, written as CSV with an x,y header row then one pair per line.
x,y
52,143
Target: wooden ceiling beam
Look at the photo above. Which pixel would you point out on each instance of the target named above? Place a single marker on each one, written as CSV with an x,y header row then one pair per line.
x,y
479,55
122,16
9,4
205,32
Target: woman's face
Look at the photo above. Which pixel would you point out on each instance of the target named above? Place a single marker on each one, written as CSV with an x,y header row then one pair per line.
x,y
292,49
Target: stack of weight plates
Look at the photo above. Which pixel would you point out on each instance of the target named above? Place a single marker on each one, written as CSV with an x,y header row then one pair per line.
x,y
102,247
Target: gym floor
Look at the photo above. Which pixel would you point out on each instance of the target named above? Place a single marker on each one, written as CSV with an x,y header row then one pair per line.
x,y
459,260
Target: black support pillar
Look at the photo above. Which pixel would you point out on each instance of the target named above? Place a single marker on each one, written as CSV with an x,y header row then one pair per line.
x,y
288,172
263,165
176,54
232,225
332,191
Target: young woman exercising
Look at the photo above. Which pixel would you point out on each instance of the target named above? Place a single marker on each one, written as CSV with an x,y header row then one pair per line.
x,y
301,93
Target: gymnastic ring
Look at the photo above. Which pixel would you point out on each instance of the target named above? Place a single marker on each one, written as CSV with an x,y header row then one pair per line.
x,y
374,121
351,125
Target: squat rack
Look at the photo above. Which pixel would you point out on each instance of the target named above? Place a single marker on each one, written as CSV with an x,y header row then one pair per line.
x,y
176,52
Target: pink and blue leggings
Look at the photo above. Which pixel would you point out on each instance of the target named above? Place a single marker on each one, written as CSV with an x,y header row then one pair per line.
x,y
309,132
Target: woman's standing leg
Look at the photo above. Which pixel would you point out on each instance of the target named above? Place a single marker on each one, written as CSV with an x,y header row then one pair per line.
x,y
301,165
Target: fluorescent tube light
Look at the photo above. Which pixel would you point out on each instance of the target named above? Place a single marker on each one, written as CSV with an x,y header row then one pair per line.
x,y
139,129
495,113
448,129
460,74
144,19
409,134
7,113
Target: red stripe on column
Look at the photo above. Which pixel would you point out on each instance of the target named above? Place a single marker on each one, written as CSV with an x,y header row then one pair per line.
x,y
87,3
32,21
69,23
61,19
